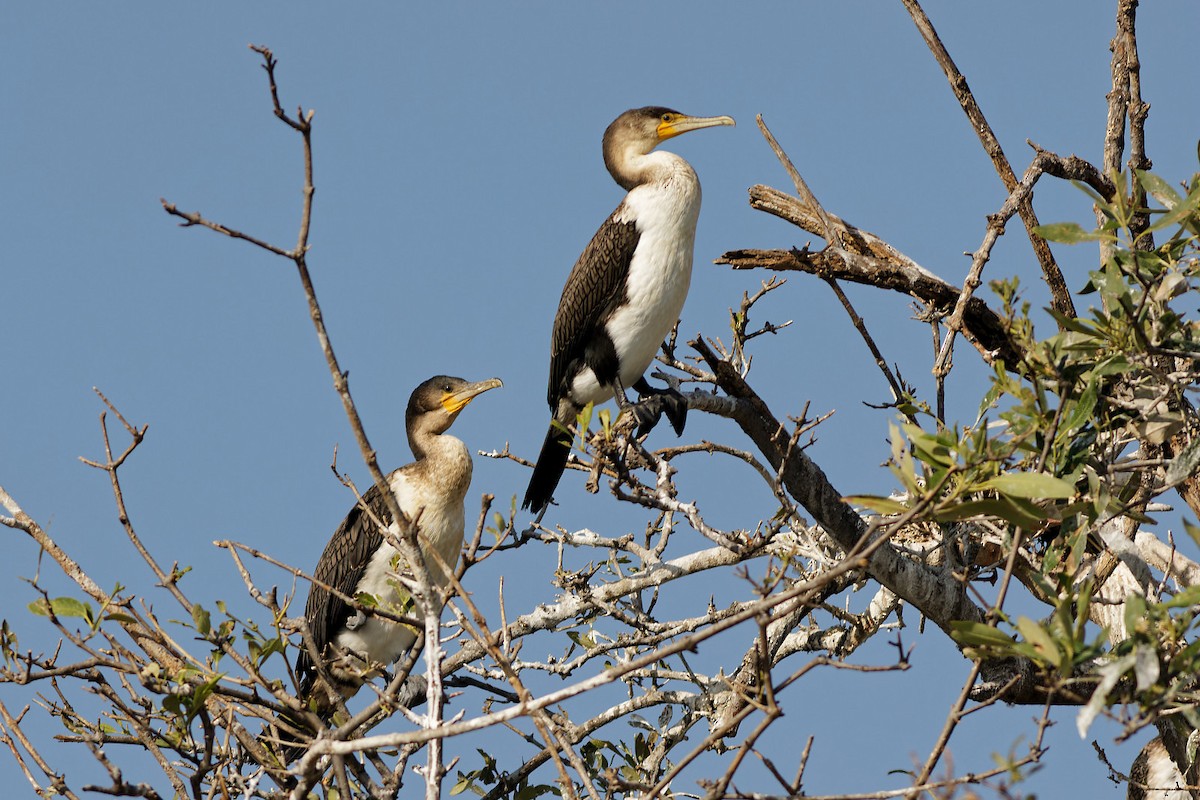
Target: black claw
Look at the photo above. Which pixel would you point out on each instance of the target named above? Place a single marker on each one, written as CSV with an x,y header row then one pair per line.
x,y
646,414
654,403
676,408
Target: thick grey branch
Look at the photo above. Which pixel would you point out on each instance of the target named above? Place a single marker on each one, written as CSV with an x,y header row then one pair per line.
x,y
941,599
879,264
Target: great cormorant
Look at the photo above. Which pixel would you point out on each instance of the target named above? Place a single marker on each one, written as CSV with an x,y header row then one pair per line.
x,y
627,288
359,560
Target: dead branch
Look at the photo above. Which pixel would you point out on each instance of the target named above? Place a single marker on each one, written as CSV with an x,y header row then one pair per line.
x,y
878,264
1059,293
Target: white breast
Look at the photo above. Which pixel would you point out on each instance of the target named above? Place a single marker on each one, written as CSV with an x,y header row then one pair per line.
x,y
440,518
665,212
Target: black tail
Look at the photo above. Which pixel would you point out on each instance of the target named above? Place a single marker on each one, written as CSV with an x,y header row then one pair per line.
x,y
288,735
551,464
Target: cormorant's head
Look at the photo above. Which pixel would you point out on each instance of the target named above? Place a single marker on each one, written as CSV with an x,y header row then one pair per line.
x,y
435,404
639,130
650,126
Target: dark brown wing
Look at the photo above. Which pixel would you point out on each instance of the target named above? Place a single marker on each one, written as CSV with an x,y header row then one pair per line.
x,y
595,286
341,566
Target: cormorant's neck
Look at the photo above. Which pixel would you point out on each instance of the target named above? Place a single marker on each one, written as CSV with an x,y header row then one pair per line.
x,y
431,444
443,464
631,165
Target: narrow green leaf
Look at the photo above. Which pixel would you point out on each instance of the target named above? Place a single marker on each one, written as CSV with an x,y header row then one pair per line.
x,y
1146,667
1159,189
1188,597
1072,323
605,417
1110,673
1082,412
1021,512
1031,485
582,639
1184,208
584,419
1183,464
62,607
1042,642
201,619
987,507
878,504
1067,233
70,607
1135,611
1117,365
976,634
1090,192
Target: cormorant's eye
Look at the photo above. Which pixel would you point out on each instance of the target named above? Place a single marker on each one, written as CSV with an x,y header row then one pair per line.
x,y
667,117
445,387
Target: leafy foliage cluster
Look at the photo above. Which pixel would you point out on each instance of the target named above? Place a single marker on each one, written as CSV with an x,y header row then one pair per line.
x,y
1070,440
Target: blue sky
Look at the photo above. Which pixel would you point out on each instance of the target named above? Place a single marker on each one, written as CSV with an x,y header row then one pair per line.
x,y
458,176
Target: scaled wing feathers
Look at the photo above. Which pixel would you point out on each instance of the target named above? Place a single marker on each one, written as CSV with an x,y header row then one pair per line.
x,y
594,288
342,566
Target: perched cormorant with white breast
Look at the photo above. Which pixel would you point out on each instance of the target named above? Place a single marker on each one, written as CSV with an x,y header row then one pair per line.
x,y
359,560
626,290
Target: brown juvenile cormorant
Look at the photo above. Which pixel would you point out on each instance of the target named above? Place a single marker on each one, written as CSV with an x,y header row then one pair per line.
x,y
359,560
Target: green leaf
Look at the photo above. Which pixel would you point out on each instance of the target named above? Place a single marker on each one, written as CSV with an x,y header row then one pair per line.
x,y
1183,464
63,607
1021,512
931,448
201,619
878,504
1043,643
1068,233
1072,323
1117,365
1146,667
1031,485
583,420
1135,612
1159,189
1082,412
976,634
987,507
605,417
1188,597
584,640
203,692
1183,209
1110,673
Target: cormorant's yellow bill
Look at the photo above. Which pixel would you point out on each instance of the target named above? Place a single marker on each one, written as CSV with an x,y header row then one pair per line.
x,y
455,402
675,124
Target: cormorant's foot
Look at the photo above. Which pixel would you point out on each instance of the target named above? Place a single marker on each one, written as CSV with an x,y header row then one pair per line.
x,y
675,406
649,410
646,414
659,402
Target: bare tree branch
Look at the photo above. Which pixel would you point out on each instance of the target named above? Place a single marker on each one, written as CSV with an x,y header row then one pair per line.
x,y
1060,295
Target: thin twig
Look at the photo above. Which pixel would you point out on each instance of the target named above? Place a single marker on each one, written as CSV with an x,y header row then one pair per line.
x,y
1059,293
